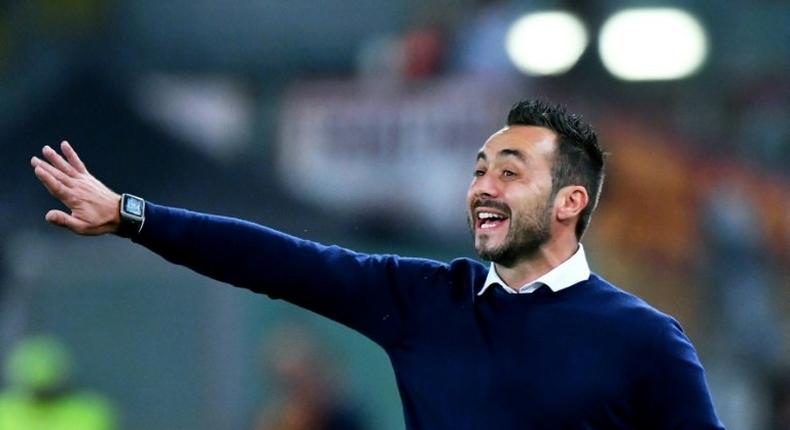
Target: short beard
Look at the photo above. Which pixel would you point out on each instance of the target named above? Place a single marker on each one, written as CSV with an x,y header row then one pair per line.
x,y
525,236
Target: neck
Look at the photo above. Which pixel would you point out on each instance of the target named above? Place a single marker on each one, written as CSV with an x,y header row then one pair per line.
x,y
531,267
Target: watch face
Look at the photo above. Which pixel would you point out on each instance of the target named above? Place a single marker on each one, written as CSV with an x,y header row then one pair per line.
x,y
133,206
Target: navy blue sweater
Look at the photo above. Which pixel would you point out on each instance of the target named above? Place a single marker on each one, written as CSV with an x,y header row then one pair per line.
x,y
587,357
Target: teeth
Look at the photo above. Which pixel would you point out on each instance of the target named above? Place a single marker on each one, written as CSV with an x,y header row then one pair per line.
x,y
489,215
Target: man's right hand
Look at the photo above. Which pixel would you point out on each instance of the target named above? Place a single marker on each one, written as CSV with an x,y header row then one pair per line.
x,y
93,206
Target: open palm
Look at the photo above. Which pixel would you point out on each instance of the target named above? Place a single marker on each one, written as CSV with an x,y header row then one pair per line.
x,y
93,206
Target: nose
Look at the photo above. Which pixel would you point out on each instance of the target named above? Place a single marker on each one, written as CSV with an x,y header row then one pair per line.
x,y
484,186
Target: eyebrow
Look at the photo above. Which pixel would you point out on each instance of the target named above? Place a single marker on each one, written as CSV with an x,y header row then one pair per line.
x,y
512,153
504,153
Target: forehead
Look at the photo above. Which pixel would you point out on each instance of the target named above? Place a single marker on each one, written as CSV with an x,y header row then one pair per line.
x,y
532,142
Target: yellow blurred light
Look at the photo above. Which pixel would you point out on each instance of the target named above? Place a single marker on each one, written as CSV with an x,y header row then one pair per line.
x,y
652,44
546,43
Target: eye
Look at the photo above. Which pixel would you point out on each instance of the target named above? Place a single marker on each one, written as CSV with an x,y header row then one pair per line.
x,y
479,172
508,173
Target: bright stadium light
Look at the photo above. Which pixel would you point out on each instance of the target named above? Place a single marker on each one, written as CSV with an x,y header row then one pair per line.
x,y
546,43
652,44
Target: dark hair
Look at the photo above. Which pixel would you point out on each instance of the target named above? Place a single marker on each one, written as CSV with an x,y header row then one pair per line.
x,y
578,160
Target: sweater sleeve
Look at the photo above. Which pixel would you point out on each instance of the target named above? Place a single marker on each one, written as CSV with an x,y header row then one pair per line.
x,y
369,293
676,395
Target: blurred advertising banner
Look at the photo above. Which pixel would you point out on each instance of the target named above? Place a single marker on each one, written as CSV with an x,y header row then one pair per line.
x,y
403,152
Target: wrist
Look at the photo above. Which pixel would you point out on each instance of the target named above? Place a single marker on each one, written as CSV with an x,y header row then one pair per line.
x,y
115,216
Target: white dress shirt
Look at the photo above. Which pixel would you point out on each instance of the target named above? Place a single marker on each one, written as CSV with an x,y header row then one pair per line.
x,y
570,272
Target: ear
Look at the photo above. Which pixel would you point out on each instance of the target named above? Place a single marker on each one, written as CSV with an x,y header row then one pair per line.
x,y
570,201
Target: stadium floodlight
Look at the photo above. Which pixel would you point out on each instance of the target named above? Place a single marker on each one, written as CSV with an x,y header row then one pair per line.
x,y
546,43
652,44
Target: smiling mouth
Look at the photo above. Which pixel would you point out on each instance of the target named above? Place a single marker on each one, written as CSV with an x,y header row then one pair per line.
x,y
489,220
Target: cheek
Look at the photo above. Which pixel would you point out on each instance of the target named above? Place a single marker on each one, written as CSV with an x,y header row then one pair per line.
x,y
529,202
469,196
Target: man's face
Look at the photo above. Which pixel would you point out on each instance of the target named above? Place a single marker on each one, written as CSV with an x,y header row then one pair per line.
x,y
508,200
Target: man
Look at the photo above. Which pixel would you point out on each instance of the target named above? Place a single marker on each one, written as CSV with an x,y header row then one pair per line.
x,y
535,341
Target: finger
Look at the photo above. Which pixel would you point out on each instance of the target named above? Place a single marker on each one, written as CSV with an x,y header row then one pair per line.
x,y
60,176
65,220
72,157
55,187
56,160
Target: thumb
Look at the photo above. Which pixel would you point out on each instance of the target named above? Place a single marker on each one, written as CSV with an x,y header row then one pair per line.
x,y
56,217
65,220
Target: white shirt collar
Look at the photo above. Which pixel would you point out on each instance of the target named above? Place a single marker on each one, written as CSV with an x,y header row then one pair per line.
x,y
570,272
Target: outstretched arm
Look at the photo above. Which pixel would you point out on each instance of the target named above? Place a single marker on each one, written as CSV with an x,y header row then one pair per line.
x,y
93,206
374,294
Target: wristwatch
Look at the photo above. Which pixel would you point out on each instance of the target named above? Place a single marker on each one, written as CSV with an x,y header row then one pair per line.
x,y
132,215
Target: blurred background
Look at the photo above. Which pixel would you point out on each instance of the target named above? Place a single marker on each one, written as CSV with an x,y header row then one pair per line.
x,y
355,122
